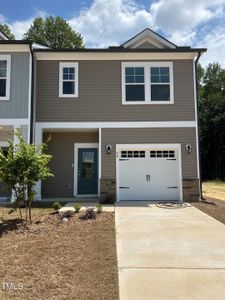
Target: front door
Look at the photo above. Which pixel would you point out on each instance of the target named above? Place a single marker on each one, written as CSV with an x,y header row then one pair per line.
x,y
87,171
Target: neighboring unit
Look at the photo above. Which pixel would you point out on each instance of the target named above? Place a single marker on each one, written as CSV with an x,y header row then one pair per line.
x,y
15,93
123,120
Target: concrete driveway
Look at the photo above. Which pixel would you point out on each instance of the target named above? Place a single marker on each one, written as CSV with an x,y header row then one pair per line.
x,y
169,253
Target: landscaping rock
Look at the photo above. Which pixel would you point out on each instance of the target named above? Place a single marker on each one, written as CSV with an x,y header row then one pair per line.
x,y
66,214
65,220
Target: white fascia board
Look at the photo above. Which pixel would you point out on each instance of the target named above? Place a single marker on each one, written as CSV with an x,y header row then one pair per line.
x,y
96,125
14,48
125,56
14,121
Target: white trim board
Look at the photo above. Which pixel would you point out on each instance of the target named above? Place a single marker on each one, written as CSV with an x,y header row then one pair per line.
x,y
14,121
155,147
14,48
96,125
74,65
114,56
75,166
7,58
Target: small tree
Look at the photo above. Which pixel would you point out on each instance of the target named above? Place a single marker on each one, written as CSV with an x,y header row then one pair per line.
x,y
22,168
54,32
4,28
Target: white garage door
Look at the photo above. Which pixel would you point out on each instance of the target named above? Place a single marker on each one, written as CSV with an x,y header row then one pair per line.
x,y
148,173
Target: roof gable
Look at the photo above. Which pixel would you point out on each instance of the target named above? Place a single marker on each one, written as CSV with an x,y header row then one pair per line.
x,y
148,39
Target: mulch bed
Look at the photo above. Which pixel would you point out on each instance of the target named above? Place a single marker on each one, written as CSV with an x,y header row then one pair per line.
x,y
213,207
56,260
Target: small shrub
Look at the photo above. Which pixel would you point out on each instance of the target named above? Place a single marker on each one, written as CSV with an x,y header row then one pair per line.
x,y
99,208
56,206
77,207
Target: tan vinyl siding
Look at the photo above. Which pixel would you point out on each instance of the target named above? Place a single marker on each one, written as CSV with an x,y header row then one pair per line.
x,y
100,95
5,135
182,136
61,146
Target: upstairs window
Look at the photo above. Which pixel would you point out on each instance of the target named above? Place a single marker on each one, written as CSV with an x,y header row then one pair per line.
x,y
68,79
160,83
5,68
135,84
147,83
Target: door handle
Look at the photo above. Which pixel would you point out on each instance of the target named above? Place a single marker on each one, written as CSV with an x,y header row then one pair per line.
x,y
148,177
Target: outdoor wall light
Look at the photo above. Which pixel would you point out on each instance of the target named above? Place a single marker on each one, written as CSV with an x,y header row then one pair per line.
x,y
108,149
188,148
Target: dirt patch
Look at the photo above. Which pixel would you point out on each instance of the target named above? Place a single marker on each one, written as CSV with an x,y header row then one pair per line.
x,y
213,207
214,189
55,260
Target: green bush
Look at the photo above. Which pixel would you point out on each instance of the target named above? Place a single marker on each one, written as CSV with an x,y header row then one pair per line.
x,y
99,208
56,205
77,207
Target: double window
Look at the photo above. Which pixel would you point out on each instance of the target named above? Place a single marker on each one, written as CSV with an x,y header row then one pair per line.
x,y
5,67
148,82
68,79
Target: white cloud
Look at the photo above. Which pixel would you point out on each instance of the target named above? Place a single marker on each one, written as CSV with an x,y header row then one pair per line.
x,y
112,22
214,41
109,22
180,19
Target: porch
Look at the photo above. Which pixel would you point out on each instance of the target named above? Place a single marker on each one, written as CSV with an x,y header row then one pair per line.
x,y
75,165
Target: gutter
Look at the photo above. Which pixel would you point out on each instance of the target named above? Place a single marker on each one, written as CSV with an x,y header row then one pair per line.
x,y
32,95
198,121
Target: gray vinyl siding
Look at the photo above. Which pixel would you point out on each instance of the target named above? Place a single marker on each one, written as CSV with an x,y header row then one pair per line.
x,y
100,95
182,136
17,106
61,147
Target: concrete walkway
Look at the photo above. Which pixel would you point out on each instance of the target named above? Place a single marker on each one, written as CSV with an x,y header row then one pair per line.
x,y
168,254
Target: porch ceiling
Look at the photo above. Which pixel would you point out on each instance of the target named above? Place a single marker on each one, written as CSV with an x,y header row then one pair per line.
x,y
71,130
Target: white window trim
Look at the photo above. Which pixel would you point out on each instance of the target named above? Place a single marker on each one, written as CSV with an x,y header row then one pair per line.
x,y
8,76
76,80
147,66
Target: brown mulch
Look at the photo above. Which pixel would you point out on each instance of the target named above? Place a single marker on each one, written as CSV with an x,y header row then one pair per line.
x,y
213,207
56,260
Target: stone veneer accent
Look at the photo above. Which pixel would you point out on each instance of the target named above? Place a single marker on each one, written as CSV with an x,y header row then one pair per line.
x,y
108,188
191,191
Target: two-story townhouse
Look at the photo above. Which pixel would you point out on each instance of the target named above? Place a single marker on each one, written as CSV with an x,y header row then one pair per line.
x,y
123,120
15,92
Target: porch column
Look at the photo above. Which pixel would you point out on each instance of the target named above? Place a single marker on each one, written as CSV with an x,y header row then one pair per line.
x,y
38,138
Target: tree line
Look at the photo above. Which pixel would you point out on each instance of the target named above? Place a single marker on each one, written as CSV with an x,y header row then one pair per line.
x,y
57,33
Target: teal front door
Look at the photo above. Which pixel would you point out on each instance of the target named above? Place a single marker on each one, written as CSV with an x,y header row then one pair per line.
x,y
87,171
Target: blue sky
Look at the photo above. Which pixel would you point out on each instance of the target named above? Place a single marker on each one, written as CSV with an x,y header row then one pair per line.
x,y
199,23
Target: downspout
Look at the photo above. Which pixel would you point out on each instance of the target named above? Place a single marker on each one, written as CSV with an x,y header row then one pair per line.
x,y
32,96
198,122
